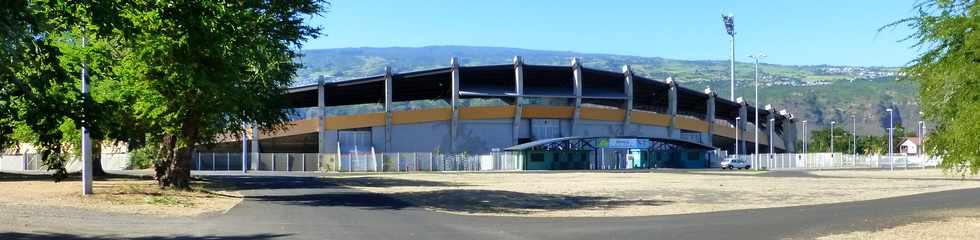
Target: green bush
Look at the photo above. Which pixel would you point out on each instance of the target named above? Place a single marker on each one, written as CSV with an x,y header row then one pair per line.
x,y
142,158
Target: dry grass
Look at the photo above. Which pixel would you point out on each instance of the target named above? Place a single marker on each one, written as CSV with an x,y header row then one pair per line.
x,y
118,196
645,193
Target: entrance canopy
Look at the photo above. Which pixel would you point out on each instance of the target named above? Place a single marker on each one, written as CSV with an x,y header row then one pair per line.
x,y
593,143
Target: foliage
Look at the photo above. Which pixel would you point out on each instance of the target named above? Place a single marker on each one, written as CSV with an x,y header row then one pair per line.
x,y
948,72
187,79
37,95
819,141
143,158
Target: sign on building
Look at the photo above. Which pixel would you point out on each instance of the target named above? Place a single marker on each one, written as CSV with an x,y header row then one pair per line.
x,y
627,143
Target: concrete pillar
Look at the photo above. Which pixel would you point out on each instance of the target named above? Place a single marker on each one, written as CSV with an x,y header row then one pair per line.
x,y
387,108
255,146
672,131
770,140
577,90
454,104
743,119
628,105
709,116
519,99
321,104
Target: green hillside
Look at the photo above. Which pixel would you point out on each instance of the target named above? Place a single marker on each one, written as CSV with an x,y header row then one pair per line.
x,y
820,93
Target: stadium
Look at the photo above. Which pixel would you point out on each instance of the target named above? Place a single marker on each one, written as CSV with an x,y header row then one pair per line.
x,y
550,117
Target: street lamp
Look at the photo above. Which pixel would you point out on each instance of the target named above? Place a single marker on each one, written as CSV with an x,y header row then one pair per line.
x,y
729,21
891,130
757,56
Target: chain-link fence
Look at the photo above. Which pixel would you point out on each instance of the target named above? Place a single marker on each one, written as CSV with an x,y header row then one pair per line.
x,y
836,160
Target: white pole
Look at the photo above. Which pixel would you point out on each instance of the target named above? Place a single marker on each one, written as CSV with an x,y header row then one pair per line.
x,y
772,149
806,158
891,131
86,142
756,57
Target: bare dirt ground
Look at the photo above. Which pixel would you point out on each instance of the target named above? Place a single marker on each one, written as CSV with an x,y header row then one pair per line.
x,y
663,192
116,195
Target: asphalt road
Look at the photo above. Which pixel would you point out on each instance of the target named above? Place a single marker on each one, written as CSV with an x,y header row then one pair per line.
x,y
305,207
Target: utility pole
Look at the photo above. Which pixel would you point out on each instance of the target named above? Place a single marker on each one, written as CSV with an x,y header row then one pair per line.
x,y
854,141
730,29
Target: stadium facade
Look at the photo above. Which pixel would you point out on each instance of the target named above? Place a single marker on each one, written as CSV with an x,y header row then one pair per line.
x,y
553,114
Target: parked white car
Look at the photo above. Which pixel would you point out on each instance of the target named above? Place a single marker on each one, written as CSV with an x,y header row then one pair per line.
x,y
735,163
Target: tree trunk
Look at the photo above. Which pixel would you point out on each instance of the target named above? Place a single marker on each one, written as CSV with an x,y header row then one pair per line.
x,y
171,171
97,160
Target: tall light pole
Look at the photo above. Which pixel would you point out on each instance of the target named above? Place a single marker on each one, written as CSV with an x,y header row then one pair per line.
x,y
757,56
86,142
891,130
832,142
730,29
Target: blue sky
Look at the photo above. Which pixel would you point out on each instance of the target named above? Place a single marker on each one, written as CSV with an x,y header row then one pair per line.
x,y
790,32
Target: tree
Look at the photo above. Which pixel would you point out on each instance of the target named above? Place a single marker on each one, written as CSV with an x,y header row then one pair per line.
x,y
36,92
948,72
189,79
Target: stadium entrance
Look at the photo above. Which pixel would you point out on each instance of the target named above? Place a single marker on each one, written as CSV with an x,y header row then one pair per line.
x,y
611,153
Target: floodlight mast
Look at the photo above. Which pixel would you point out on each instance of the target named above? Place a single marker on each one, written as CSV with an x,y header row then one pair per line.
x,y
729,21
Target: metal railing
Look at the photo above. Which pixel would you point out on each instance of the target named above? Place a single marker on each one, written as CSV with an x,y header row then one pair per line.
x,y
837,161
359,162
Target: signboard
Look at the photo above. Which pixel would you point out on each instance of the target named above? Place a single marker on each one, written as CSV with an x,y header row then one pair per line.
x,y
624,143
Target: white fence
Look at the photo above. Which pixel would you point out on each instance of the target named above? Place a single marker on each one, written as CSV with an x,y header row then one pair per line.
x,y
359,162
837,160
32,162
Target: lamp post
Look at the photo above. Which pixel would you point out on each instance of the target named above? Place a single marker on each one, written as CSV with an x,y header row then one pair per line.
x,y
729,21
832,142
891,130
757,56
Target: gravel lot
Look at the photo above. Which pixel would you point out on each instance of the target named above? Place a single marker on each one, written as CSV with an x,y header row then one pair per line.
x,y
115,195
662,192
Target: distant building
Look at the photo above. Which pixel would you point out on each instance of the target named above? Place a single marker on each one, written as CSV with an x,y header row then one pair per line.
x,y
910,146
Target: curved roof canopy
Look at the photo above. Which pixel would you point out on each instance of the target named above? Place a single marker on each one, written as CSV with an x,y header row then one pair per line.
x,y
498,81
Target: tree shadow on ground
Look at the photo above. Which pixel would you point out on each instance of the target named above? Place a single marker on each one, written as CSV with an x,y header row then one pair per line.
x,y
460,200
65,236
75,176
508,202
236,183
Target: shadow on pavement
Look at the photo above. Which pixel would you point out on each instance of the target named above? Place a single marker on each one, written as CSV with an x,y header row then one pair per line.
x,y
338,192
508,202
248,182
63,236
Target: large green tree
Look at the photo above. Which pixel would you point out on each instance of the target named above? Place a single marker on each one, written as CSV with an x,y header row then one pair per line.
x,y
948,72
195,70
36,92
